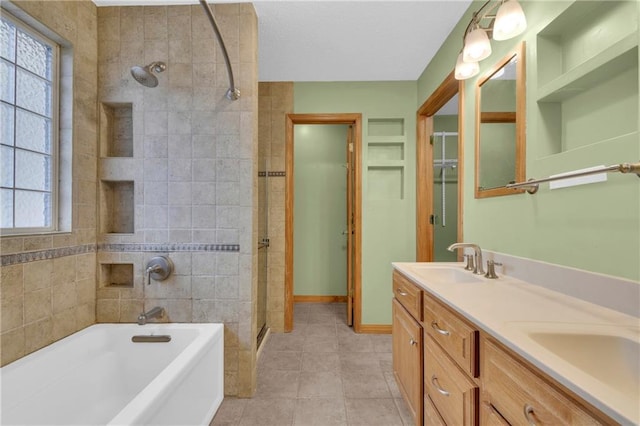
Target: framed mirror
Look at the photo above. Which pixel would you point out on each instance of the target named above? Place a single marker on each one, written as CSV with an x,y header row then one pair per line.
x,y
500,126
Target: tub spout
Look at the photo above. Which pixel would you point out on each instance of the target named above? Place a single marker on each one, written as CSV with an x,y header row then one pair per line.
x,y
156,312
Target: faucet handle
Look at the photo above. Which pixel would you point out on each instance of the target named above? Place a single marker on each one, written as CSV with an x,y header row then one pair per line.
x,y
470,264
491,270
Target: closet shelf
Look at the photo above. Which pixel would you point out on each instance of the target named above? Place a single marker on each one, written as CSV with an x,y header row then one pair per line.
x,y
613,60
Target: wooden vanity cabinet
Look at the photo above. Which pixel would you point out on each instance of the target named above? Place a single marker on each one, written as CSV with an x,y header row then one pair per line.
x,y
514,393
407,344
450,373
450,363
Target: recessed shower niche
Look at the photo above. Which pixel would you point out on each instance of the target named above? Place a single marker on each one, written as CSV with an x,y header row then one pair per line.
x,y
116,130
118,275
116,168
116,207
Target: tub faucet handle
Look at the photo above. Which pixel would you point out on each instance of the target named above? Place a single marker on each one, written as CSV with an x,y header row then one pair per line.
x,y
159,268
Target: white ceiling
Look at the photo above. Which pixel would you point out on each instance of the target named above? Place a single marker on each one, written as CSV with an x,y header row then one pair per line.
x,y
357,40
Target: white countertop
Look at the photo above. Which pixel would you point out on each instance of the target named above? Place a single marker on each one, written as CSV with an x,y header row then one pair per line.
x,y
506,306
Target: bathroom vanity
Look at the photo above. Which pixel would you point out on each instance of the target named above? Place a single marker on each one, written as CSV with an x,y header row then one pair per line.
x,y
469,350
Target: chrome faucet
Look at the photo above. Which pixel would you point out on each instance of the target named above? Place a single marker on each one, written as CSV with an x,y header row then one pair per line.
x,y
156,312
477,253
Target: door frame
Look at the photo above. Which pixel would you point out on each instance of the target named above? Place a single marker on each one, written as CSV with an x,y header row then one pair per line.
x,y
355,120
424,161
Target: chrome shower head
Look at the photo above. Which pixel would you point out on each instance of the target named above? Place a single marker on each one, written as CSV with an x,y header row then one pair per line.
x,y
145,75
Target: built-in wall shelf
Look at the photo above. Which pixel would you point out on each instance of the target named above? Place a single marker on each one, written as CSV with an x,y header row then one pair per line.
x,y
621,56
385,143
385,163
587,76
392,151
582,32
377,127
374,140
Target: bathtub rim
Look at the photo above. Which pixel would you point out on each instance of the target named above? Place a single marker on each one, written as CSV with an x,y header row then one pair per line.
x,y
207,334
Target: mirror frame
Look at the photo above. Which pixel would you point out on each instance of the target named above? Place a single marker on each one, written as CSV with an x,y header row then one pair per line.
x,y
519,117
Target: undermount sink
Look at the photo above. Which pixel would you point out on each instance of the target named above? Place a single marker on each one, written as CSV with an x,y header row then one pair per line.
x,y
609,354
445,274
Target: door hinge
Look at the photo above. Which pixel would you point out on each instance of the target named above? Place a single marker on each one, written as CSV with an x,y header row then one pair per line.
x,y
351,147
432,219
431,139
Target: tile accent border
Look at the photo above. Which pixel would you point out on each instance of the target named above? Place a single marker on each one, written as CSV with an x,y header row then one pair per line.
x,y
169,247
272,174
34,256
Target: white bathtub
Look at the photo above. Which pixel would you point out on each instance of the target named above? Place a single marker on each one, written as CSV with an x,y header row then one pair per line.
x,y
98,376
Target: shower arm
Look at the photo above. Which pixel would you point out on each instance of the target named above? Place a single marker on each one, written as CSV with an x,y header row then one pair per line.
x,y
233,93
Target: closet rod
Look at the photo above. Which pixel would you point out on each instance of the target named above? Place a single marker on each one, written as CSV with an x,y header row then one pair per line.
x,y
533,184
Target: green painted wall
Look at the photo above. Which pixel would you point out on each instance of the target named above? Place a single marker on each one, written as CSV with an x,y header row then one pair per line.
x,y
320,209
592,227
388,175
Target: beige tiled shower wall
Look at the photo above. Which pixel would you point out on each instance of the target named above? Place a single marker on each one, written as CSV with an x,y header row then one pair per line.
x,y
46,300
275,102
193,169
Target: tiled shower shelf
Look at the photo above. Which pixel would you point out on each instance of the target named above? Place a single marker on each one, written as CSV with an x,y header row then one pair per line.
x,y
116,207
116,130
117,275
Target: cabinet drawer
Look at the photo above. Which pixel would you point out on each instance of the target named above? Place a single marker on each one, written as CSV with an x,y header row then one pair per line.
x,y
458,338
408,294
490,417
521,396
431,415
453,393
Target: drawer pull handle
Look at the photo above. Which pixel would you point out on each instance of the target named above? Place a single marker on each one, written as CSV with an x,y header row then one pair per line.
x,y
402,293
412,341
434,382
529,414
435,326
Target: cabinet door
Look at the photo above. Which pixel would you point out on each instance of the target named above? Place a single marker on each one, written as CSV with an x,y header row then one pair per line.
x,y
407,359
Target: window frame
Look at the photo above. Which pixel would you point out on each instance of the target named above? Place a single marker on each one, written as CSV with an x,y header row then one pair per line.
x,y
56,53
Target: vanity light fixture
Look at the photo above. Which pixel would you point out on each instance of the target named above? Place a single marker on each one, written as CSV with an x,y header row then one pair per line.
x,y
508,22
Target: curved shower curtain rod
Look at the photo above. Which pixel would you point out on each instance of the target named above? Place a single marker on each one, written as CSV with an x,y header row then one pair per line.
x,y
233,93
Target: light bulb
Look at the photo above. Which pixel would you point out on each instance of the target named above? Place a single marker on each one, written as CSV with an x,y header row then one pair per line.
x,y
465,70
510,21
476,46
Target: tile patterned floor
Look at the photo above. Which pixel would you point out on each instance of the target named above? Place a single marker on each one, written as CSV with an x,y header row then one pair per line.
x,y
321,374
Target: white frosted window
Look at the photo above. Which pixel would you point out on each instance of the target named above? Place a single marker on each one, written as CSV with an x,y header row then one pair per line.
x,y
28,149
